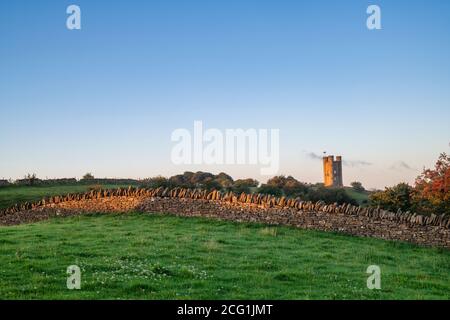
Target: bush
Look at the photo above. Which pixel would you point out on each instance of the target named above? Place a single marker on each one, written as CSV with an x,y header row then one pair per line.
x,y
156,182
329,195
289,185
88,176
244,185
357,186
224,180
29,180
272,190
394,198
212,185
4,183
181,180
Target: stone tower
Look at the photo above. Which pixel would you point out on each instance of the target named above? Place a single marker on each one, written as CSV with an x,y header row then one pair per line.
x,y
332,171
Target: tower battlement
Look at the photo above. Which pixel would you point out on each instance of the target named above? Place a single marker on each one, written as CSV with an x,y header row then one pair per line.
x,y
332,171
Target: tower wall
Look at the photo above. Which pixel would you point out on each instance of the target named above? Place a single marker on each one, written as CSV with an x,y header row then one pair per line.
x,y
332,171
338,181
328,171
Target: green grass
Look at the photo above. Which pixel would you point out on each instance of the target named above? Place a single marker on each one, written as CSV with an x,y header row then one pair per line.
x,y
360,197
165,257
19,194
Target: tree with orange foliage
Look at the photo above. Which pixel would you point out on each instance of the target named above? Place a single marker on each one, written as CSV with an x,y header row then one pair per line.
x,y
432,187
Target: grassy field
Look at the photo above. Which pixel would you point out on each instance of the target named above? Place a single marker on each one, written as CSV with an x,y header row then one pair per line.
x,y
360,197
165,257
19,194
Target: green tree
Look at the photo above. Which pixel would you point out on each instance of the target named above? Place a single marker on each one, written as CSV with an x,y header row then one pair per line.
x,y
357,186
288,185
394,198
269,189
328,195
244,185
88,176
31,179
156,182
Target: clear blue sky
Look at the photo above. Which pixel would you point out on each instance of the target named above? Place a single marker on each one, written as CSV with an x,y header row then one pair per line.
x,y
105,99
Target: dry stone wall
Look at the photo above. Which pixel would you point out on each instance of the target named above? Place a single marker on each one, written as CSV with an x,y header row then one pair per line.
x,y
431,230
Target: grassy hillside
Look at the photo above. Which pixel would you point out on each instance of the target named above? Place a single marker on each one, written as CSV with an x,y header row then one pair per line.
x,y
360,197
160,257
